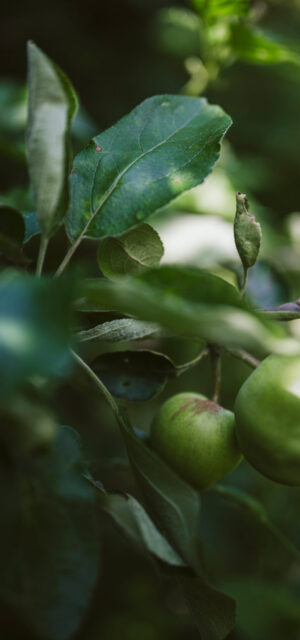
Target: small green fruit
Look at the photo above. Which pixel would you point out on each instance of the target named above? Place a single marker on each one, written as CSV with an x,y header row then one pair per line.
x,y
267,411
196,437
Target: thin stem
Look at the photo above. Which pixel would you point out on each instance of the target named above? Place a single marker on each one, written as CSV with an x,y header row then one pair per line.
x,y
279,315
243,355
257,510
68,256
182,368
244,285
108,397
42,254
216,367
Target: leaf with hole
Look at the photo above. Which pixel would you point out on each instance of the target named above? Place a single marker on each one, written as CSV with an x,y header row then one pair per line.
x,y
134,376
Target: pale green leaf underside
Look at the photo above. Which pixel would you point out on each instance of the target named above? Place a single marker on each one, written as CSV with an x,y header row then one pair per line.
x,y
166,145
130,252
51,108
134,522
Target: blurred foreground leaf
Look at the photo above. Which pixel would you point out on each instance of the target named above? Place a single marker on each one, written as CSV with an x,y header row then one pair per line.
x,y
49,540
35,326
189,302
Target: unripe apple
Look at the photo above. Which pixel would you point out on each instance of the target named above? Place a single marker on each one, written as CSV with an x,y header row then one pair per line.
x,y
267,412
196,437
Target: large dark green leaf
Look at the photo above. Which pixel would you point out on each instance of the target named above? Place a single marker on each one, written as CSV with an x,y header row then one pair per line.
x,y
172,503
163,147
35,325
134,376
191,302
52,106
49,540
129,515
130,252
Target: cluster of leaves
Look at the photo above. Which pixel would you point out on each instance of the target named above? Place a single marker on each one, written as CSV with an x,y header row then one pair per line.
x,y
215,35
165,146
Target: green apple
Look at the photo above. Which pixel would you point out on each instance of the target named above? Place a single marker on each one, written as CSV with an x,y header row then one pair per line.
x,y
196,437
267,412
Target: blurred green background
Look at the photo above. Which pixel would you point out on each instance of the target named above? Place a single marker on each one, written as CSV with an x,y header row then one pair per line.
x,y
116,54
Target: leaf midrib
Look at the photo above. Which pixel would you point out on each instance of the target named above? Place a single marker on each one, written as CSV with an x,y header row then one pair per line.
x,y
122,173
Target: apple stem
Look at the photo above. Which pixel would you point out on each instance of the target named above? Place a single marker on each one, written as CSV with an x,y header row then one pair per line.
x,y
243,355
215,356
182,368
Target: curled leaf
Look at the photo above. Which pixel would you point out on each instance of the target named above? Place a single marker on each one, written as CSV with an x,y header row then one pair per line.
x,y
247,232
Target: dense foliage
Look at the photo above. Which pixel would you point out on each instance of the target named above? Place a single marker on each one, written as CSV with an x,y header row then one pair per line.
x,y
95,333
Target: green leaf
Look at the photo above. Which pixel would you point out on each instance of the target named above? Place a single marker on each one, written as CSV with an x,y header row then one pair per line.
x,y
35,326
129,515
253,45
49,540
12,233
214,612
32,225
130,252
171,502
122,330
51,109
189,302
163,147
247,233
135,376
220,8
